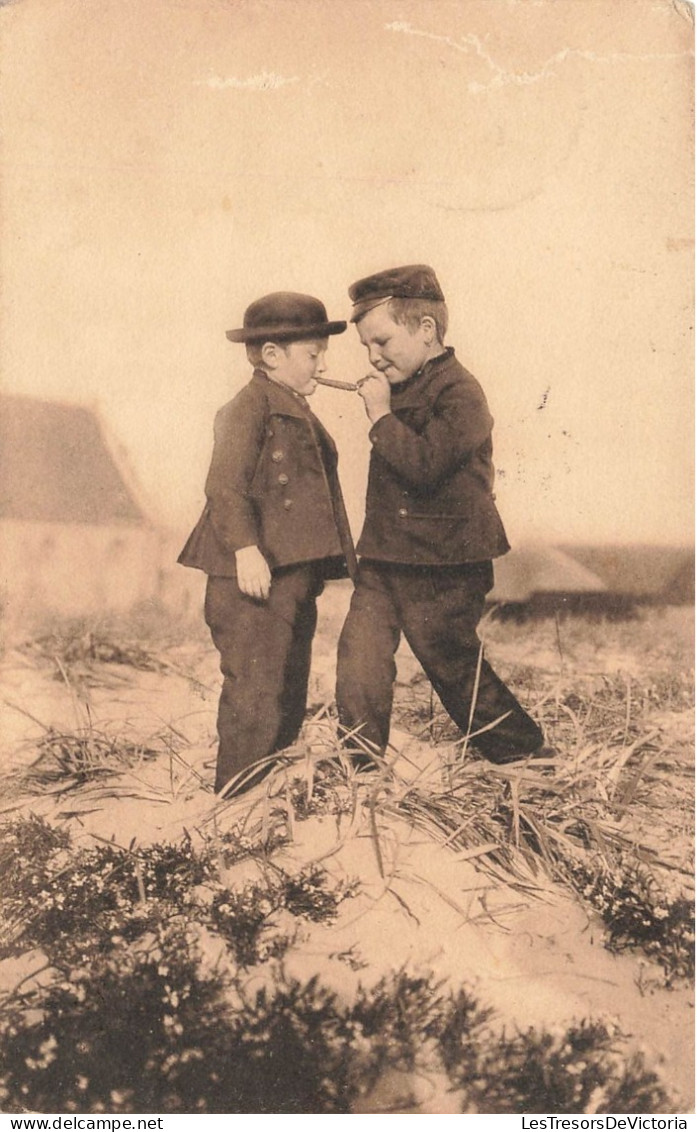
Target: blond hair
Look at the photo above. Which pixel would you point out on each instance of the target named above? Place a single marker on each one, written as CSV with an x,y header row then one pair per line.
x,y
409,312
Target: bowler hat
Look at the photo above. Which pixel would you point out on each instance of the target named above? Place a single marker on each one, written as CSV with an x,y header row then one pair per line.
x,y
417,281
285,316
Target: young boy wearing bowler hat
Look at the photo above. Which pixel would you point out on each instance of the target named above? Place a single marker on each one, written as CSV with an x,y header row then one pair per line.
x,y
273,529
431,526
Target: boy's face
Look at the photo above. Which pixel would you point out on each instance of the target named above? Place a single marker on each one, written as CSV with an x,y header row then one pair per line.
x,y
299,364
392,347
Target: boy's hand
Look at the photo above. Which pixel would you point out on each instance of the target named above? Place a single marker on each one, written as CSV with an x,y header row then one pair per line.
x,y
253,574
375,391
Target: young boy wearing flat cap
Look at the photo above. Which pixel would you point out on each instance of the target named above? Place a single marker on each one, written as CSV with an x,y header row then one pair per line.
x,y
431,526
273,529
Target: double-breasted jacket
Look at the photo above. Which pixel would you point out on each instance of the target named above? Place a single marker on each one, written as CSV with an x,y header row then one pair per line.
x,y
430,494
272,483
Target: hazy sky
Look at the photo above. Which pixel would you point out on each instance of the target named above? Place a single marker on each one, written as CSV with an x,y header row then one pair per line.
x,y
165,162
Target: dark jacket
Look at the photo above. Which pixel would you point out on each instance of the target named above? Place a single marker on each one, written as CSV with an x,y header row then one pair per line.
x,y
430,499
272,483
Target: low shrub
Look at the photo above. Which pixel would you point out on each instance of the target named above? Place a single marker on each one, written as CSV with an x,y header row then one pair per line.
x,y
636,915
577,1070
71,904
145,1030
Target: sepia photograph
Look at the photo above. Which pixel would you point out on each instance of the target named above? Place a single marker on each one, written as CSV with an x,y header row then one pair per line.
x,y
347,558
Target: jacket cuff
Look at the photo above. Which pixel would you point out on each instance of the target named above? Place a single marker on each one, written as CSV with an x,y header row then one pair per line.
x,y
375,429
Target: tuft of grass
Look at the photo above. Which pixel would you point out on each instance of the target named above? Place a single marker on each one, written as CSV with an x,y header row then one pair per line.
x,y
94,651
77,644
70,759
591,812
582,816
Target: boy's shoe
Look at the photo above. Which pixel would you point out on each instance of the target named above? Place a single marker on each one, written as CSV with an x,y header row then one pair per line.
x,y
244,780
542,752
359,760
362,761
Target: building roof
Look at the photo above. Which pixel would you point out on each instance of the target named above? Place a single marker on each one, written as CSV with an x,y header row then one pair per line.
x,y
530,570
55,466
639,570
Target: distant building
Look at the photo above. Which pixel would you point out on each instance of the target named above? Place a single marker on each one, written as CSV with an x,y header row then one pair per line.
x,y
644,574
607,580
542,578
75,539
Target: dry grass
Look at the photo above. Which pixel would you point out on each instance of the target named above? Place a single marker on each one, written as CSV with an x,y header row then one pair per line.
x,y
611,819
69,760
614,698
93,652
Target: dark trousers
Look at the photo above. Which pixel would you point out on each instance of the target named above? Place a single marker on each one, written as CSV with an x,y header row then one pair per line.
x,y
437,609
265,649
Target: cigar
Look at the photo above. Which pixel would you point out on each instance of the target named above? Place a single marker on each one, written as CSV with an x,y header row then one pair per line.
x,y
348,385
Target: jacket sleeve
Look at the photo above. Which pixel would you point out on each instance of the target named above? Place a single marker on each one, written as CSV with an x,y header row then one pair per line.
x,y
459,424
239,433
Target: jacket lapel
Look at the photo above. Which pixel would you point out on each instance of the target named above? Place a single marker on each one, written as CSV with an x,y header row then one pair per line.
x,y
283,402
280,400
411,395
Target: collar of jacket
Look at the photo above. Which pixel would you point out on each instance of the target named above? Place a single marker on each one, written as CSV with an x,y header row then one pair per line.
x,y
280,398
410,392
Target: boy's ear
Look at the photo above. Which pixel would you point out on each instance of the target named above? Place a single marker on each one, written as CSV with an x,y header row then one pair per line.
x,y
270,354
428,325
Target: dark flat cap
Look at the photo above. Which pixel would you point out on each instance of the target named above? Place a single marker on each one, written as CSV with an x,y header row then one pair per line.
x,y
285,316
417,281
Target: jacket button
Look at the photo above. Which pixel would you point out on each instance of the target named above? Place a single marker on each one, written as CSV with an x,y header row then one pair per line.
x,y
277,456
287,503
283,479
402,512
